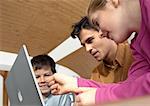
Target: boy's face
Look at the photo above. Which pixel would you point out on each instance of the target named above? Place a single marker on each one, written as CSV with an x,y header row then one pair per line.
x,y
99,47
42,75
112,21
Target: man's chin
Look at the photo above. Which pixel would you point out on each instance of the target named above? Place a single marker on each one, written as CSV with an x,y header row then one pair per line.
x,y
99,59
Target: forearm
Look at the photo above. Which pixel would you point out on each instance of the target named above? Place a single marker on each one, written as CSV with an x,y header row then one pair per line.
x,y
128,89
90,83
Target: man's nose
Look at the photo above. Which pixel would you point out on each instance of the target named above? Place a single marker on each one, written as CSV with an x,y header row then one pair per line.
x,y
88,48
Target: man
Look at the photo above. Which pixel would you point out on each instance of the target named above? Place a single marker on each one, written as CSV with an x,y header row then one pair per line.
x,y
115,61
44,67
113,65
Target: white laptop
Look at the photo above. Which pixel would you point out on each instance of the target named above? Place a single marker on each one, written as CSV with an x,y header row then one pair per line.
x,y
21,84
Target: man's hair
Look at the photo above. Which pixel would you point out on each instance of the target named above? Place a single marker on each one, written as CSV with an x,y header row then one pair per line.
x,y
82,24
42,61
95,5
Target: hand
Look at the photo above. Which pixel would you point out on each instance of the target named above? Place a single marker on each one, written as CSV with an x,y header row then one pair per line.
x,y
87,97
61,84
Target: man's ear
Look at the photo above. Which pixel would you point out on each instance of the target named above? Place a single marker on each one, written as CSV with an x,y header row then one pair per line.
x,y
115,3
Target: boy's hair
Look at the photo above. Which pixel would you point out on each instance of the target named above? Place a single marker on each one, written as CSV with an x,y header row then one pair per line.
x,y
82,24
95,5
41,61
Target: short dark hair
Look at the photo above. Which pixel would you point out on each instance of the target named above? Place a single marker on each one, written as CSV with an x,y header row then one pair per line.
x,y
82,24
41,61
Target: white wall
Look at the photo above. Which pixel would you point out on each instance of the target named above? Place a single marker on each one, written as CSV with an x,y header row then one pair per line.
x,y
67,47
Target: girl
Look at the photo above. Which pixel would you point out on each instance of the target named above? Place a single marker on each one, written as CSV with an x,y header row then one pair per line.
x,y
118,19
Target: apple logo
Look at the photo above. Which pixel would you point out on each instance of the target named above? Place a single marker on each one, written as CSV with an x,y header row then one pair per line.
x,y
20,96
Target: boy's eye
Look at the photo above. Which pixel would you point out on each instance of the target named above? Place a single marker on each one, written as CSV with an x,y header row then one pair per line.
x,y
48,74
37,76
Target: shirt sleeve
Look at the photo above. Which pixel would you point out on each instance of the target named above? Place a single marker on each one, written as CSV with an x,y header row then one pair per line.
x,y
126,89
146,13
66,100
90,83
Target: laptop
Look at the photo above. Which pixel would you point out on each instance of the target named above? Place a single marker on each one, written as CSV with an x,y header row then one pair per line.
x,y
21,84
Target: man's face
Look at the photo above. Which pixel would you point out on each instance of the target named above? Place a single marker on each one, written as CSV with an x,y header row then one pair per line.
x,y
99,47
112,21
42,75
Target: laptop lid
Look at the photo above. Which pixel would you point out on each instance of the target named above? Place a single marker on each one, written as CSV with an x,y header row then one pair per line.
x,y
21,84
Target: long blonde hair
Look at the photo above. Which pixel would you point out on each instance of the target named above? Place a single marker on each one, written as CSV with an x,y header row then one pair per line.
x,y
96,4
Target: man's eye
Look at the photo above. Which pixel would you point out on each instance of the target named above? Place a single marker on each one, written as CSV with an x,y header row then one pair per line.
x,y
102,35
83,45
105,34
90,40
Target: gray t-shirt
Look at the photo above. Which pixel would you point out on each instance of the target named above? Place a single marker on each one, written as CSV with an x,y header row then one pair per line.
x,y
59,100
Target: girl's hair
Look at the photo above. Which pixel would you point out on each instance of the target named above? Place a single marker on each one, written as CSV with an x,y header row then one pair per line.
x,y
95,5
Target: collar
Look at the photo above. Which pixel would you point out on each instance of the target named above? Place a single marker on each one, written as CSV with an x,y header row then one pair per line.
x,y
119,60
120,53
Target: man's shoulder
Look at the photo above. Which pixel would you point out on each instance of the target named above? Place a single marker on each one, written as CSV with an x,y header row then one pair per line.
x,y
124,44
123,48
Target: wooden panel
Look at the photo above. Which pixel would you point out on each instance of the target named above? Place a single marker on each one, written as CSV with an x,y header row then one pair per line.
x,y
41,24
81,62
